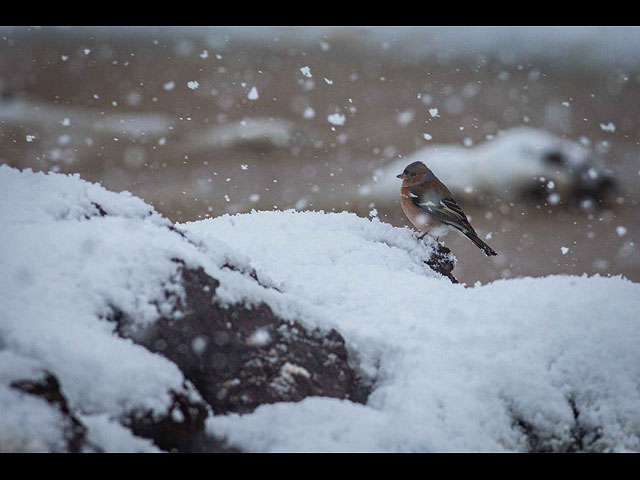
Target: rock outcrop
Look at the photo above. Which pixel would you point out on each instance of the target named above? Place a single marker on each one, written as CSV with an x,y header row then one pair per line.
x,y
122,339
238,357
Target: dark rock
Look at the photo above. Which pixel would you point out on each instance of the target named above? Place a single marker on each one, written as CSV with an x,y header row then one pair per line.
x,y
442,261
181,429
591,181
101,211
48,388
239,357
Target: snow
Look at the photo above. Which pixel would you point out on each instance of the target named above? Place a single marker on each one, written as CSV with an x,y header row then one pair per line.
x,y
253,94
306,71
64,268
511,162
450,363
336,119
406,117
52,260
26,424
451,366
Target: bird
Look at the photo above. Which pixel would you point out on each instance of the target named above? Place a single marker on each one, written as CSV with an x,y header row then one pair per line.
x,y
428,204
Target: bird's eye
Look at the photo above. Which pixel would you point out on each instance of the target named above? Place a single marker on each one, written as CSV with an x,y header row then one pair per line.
x,y
413,174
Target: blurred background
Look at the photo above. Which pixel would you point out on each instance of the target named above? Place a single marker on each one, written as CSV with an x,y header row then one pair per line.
x,y
535,130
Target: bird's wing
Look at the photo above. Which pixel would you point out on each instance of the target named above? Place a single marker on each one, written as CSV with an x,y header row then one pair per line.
x,y
446,210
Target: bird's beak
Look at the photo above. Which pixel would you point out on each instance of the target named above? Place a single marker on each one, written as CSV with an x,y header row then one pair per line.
x,y
402,176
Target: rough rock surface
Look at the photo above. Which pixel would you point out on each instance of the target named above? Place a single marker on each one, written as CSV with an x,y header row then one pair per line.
x,y
591,181
443,262
239,358
181,429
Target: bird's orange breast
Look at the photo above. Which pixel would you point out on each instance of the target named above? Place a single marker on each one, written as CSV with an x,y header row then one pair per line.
x,y
416,216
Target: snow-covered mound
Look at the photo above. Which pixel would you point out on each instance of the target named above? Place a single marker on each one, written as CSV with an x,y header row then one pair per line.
x,y
524,364
101,327
69,252
518,162
75,257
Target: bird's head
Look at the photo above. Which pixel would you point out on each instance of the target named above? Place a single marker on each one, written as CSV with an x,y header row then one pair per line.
x,y
415,173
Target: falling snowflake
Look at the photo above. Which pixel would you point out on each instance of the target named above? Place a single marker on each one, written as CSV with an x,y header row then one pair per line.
x,y
336,119
253,94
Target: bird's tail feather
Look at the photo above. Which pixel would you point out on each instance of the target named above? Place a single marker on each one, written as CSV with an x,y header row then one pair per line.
x,y
488,251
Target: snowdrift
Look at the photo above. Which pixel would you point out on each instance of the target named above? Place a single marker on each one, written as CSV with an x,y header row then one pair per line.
x,y
290,331
520,163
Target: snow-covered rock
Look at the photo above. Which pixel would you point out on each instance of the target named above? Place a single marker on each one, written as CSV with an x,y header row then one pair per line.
x,y
84,272
290,331
519,163
517,365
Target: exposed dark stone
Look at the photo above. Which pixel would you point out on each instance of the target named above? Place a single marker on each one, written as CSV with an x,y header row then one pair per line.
x,y
555,157
181,429
241,357
597,189
100,209
250,272
590,180
180,232
442,262
48,388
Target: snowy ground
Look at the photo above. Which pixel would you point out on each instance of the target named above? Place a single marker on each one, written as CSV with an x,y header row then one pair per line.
x,y
454,367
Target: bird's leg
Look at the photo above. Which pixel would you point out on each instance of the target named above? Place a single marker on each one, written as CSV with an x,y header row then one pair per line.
x,y
422,236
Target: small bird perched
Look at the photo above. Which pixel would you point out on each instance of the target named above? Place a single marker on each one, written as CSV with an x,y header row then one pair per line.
x,y
428,204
